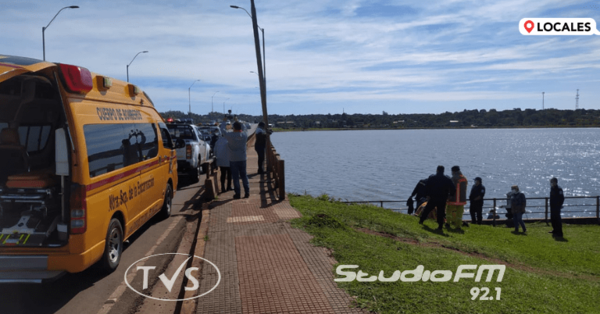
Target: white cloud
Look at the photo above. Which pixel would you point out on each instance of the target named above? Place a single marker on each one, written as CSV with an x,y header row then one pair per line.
x,y
318,52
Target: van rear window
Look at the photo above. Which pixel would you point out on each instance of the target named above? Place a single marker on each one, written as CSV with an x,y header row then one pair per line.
x,y
114,146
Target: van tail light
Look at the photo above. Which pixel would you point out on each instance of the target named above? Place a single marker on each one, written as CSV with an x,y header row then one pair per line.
x,y
188,151
77,79
79,211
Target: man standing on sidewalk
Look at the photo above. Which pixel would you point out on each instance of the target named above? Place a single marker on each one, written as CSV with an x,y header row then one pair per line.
x,y
260,145
557,198
456,202
236,142
438,187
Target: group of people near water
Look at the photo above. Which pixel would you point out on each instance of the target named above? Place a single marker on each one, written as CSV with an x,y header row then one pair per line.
x,y
448,196
230,154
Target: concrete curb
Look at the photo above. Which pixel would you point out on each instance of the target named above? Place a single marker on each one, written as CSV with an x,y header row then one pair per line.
x,y
189,306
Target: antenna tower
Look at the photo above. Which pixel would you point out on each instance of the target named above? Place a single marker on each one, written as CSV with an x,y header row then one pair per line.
x,y
577,100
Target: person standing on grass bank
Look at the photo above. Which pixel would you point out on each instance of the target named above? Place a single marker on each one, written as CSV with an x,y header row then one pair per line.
x,y
476,199
236,142
557,198
222,155
437,189
260,145
456,203
518,203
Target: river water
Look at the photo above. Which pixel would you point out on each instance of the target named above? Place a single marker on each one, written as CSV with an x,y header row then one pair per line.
x,y
387,164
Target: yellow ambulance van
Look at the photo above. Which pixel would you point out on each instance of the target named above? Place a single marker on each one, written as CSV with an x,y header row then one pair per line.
x,y
85,161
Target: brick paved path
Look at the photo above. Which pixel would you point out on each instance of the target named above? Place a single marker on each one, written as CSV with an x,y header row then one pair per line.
x,y
266,265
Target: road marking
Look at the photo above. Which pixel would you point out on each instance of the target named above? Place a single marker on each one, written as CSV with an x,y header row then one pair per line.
x,y
245,219
114,297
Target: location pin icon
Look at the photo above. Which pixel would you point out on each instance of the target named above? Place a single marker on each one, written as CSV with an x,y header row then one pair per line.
x,y
528,26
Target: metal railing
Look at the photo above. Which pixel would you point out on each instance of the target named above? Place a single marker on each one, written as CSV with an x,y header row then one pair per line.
x,y
497,201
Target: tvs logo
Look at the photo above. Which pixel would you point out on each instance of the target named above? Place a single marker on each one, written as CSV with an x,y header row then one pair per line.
x,y
558,26
145,268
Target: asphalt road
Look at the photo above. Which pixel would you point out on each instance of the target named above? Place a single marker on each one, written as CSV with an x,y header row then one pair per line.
x,y
88,291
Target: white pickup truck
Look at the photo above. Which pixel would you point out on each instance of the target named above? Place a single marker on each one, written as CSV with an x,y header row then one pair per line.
x,y
192,151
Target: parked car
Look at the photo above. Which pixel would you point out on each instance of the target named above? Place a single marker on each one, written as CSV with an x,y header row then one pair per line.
x,y
210,130
192,148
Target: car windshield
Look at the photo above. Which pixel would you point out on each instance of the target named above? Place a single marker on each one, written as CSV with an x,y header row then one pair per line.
x,y
183,132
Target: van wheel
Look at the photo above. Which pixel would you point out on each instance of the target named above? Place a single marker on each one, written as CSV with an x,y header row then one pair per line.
x,y
168,203
113,246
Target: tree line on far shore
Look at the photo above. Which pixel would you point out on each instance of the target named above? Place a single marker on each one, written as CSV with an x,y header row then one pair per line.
x,y
462,119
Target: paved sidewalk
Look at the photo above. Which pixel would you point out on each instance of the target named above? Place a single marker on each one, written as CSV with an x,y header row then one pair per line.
x,y
266,265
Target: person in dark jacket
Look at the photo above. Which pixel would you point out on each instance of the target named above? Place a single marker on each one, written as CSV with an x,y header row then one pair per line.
x,y
419,192
438,188
557,199
260,144
518,204
476,199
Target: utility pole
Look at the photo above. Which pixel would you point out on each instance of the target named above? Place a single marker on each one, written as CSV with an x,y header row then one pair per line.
x,y
259,63
577,100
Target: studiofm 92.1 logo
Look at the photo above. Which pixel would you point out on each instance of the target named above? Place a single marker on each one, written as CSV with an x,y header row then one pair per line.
x,y
145,268
558,26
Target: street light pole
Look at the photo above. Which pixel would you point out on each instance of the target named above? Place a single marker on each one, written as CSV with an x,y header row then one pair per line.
x,y
190,98
45,27
212,105
145,51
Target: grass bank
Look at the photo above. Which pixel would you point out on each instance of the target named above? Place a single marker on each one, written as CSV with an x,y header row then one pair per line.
x,y
543,275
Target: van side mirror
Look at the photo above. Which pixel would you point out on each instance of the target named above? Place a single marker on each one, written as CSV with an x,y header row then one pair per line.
x,y
61,152
180,143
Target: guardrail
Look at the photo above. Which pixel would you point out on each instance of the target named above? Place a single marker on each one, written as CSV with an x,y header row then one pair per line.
x,y
495,202
276,168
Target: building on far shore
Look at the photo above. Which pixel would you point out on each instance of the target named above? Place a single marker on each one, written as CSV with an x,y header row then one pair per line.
x,y
285,124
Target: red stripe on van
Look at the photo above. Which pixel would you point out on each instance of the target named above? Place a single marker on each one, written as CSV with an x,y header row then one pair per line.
x,y
119,176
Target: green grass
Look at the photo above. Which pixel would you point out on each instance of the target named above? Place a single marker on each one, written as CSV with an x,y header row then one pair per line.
x,y
544,275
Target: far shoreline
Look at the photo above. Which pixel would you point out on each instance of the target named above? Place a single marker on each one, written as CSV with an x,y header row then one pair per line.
x,y
433,128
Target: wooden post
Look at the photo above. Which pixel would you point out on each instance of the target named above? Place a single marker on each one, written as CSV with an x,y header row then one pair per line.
x,y
546,214
209,185
598,208
494,214
281,174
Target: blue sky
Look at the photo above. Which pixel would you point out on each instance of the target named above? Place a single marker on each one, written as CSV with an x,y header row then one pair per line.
x,y
323,56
